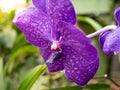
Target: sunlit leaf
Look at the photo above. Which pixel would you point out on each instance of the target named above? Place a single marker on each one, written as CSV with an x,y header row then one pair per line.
x,y
31,77
27,1
12,14
40,83
7,37
2,83
58,75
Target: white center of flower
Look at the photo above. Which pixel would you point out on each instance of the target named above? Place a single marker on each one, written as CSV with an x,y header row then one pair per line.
x,y
54,46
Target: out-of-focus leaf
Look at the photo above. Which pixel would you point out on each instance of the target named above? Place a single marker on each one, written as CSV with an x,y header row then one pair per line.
x,y
58,75
92,6
98,87
4,19
2,83
27,1
12,14
17,56
31,77
19,39
89,21
119,57
7,37
88,87
40,83
68,88
19,42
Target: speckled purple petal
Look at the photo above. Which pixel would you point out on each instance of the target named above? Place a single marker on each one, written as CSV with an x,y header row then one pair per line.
x,y
117,15
82,60
35,25
61,10
80,67
40,4
102,38
37,29
112,42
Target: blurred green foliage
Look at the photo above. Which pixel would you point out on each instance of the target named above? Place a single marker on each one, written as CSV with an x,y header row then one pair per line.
x,y
31,77
2,82
18,57
89,87
93,6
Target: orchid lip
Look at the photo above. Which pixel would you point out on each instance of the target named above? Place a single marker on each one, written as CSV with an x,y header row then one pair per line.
x,y
57,52
55,55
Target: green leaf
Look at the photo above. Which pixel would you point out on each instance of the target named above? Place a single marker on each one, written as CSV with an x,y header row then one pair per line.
x,y
68,88
98,86
31,77
2,83
17,56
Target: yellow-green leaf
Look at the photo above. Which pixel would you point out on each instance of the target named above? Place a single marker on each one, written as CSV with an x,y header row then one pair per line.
x,y
31,77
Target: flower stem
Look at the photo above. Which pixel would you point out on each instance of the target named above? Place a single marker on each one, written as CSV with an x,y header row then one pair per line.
x,y
110,27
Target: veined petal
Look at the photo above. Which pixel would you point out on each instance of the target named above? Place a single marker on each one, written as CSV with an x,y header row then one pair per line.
x,y
35,25
82,60
40,4
117,15
81,66
61,10
112,42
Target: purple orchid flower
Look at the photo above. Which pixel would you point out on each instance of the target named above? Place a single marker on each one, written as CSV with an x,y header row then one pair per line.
x,y
110,40
49,26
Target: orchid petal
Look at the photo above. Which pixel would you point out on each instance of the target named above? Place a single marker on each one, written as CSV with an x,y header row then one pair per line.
x,y
102,38
112,42
82,60
35,25
40,4
61,10
117,15
80,67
